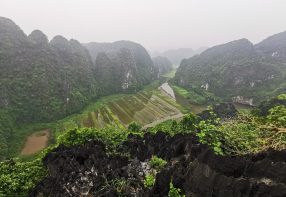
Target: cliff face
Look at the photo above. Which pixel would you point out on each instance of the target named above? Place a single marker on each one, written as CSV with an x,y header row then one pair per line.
x,y
127,62
238,69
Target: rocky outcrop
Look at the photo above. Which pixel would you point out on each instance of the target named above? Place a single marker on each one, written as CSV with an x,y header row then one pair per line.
x,y
192,167
242,100
221,110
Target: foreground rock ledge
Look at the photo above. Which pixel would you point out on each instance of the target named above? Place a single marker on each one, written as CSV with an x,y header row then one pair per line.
x,y
87,170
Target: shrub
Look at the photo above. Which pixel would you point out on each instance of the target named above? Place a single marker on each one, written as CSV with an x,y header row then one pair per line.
x,y
277,116
18,177
149,180
135,127
157,163
174,192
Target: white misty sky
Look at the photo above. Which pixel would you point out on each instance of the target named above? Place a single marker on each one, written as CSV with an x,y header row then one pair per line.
x,y
156,24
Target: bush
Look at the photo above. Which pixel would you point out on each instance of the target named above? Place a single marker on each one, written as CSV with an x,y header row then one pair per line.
x,y
277,116
174,192
149,180
157,163
18,177
135,127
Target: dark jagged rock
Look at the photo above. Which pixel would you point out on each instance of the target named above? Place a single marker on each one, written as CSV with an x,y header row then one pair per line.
x,y
222,110
162,183
192,167
82,170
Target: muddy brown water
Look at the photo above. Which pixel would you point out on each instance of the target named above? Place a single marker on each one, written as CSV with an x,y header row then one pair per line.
x,y
36,142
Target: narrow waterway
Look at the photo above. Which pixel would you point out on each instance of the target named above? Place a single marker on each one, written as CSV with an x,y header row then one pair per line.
x,y
165,87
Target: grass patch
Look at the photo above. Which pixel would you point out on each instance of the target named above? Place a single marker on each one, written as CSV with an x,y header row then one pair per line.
x,y
190,95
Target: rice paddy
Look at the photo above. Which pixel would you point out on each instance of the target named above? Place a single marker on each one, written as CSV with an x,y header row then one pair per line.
x,y
144,108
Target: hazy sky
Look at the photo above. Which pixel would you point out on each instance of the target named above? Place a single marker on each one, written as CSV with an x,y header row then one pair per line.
x,y
156,24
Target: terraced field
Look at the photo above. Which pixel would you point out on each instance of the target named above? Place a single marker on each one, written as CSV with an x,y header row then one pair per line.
x,y
144,107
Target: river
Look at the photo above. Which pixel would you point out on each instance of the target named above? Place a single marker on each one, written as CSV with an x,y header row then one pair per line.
x,y
165,87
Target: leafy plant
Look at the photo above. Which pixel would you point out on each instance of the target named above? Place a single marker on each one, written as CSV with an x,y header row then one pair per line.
x,y
18,177
157,163
135,127
149,180
174,192
209,134
277,116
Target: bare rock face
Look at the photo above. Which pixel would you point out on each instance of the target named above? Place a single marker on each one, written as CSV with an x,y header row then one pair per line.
x,y
242,100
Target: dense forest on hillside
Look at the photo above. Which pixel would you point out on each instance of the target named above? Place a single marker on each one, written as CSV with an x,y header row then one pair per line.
x,y
238,70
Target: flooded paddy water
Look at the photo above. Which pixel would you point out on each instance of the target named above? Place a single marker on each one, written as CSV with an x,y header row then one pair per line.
x,y
36,142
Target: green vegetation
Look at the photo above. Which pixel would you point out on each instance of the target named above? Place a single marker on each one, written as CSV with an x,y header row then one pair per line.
x,y
117,110
55,79
170,74
149,180
157,163
134,127
18,177
237,68
277,116
244,134
195,96
175,192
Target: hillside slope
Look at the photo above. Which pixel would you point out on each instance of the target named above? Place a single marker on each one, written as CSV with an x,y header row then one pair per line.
x,y
121,66
238,70
41,80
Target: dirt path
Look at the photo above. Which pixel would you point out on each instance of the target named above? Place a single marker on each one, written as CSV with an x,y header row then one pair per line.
x,y
36,142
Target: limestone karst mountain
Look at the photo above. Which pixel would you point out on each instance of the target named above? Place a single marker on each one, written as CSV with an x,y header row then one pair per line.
x,y
129,63
42,80
238,70
162,64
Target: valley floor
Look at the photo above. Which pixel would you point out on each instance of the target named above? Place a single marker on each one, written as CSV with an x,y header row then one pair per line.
x,y
148,107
